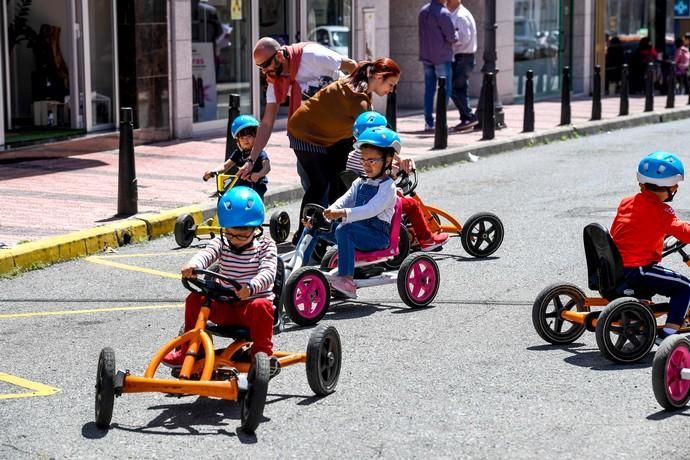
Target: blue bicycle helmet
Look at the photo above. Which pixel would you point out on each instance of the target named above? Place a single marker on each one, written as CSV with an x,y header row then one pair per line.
x,y
660,168
241,122
380,137
367,120
240,207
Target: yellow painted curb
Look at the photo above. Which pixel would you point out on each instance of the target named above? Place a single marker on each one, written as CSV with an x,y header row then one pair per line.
x,y
164,223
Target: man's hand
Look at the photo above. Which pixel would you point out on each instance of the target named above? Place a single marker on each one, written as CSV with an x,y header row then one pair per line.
x,y
254,177
244,292
188,271
245,171
333,214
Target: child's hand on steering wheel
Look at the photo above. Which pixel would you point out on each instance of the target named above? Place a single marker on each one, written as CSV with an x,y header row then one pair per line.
x,y
334,214
188,271
208,175
244,292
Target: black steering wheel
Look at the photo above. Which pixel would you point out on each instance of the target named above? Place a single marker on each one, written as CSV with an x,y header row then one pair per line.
x,y
207,283
314,212
407,182
671,245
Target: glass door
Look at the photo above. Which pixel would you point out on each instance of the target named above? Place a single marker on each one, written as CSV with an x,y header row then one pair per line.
x,y
101,65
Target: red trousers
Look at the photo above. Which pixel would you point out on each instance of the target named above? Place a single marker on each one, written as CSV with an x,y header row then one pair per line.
x,y
413,210
254,314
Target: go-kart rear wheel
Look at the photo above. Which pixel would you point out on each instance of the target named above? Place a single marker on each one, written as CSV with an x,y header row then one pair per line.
x,y
253,401
184,230
403,249
482,234
670,389
105,388
279,226
625,330
307,296
418,280
547,309
324,357
328,261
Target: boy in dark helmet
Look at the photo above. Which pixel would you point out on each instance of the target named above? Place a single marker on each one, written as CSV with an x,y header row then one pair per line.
x,y
249,258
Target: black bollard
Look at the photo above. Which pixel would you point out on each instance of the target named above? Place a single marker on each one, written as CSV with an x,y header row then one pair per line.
x,y
649,88
565,97
127,178
624,106
489,117
528,118
233,112
671,86
596,93
392,110
441,132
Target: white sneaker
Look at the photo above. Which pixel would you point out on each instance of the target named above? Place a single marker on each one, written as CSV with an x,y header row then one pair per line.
x,y
428,127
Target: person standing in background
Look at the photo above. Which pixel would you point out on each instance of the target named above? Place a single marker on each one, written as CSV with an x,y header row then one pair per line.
x,y
463,63
436,37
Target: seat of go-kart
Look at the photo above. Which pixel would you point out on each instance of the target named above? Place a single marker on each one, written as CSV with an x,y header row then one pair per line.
x,y
379,255
231,332
604,262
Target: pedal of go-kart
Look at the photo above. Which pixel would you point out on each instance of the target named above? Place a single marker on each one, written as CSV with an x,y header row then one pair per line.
x,y
231,332
369,271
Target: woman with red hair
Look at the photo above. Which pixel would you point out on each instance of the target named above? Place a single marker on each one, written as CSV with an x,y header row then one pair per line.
x,y
320,131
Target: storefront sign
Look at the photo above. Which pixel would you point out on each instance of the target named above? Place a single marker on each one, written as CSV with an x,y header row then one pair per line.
x,y
205,94
682,8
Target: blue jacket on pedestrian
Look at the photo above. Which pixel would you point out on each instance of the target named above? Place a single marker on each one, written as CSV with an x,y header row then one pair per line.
x,y
436,34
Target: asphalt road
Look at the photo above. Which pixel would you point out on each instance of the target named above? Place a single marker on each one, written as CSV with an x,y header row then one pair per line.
x,y
467,377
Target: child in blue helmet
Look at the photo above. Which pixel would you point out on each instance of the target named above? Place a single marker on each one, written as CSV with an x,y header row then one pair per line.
x,y
365,211
243,130
428,241
246,256
639,228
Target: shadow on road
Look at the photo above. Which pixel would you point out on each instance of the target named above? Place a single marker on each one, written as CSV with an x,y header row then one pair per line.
x,y
592,358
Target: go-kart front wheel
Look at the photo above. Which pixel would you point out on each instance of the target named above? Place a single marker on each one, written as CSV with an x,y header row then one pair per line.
x,y
418,280
279,226
547,309
307,296
324,357
625,330
671,388
105,388
482,234
253,401
184,230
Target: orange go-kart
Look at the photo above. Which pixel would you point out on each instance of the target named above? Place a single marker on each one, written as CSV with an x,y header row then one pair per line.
x,y
626,327
481,235
224,373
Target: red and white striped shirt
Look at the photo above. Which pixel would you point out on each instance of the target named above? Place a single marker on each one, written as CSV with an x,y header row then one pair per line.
x,y
255,266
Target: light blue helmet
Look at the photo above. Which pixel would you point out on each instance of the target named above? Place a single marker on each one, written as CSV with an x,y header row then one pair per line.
x,y
367,120
240,207
380,137
660,168
241,122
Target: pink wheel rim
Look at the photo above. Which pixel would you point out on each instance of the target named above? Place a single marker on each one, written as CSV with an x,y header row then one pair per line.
x,y
421,280
677,388
309,296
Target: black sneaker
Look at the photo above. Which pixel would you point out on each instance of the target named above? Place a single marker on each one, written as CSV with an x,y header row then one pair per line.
x,y
274,366
466,126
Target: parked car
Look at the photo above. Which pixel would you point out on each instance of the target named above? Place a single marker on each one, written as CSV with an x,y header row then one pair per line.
x,y
336,38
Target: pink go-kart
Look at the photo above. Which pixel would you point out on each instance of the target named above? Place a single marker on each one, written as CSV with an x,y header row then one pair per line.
x,y
307,293
671,372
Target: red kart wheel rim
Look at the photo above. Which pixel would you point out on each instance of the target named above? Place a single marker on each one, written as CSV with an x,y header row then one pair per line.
x,y
421,280
676,387
309,296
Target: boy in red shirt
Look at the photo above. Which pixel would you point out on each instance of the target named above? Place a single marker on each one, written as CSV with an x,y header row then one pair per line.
x,y
639,228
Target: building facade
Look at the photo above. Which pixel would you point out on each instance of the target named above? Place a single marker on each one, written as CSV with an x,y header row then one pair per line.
x,y
68,66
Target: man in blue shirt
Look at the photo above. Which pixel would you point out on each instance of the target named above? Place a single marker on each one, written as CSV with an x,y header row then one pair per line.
x,y
436,37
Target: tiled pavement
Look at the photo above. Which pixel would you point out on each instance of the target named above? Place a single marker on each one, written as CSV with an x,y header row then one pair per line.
x,y
65,187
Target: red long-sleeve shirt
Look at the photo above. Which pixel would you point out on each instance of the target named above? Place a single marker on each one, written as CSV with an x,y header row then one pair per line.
x,y
640,226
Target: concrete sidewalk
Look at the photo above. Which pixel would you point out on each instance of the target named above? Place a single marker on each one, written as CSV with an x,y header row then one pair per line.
x,y
59,201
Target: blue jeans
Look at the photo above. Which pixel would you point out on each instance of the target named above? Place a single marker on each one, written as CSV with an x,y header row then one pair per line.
x,y
365,235
431,73
655,279
462,67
